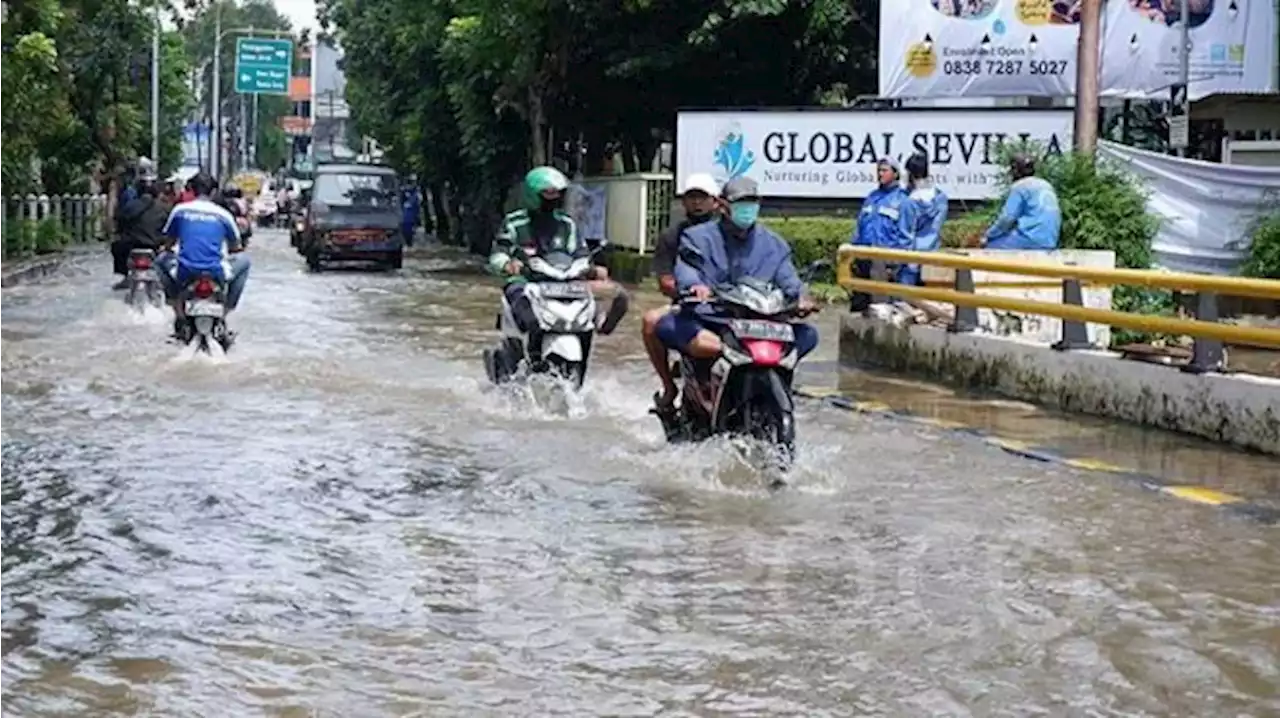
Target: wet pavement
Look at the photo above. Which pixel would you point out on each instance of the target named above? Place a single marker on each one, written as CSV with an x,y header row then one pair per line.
x,y
341,519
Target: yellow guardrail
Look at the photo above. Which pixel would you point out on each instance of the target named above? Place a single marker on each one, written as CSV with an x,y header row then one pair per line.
x,y
1231,286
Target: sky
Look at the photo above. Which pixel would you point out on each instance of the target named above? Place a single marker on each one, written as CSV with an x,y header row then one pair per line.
x,y
302,13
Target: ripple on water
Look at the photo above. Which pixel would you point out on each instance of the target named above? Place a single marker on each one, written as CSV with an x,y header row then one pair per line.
x,y
343,518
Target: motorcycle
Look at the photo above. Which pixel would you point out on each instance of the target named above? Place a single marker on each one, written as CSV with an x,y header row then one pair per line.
x,y
566,311
144,285
747,390
204,301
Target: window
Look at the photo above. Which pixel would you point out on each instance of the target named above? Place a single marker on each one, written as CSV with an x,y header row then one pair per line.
x,y
374,191
302,109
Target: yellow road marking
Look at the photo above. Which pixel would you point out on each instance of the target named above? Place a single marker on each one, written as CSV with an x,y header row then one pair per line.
x,y
1201,495
1096,465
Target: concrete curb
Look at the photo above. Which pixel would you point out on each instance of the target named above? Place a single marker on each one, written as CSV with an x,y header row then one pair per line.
x,y
28,270
1203,495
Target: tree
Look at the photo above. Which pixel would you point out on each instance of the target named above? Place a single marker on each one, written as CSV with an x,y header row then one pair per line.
x,y
77,90
469,93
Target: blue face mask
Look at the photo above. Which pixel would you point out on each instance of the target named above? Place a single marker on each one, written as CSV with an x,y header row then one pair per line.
x,y
744,214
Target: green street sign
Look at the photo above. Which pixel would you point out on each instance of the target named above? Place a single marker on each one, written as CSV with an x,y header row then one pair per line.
x,y
263,66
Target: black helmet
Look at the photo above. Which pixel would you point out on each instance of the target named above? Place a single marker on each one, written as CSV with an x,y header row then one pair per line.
x,y
1022,165
231,191
917,166
202,184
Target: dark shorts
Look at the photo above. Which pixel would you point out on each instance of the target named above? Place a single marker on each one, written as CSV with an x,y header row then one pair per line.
x,y
677,329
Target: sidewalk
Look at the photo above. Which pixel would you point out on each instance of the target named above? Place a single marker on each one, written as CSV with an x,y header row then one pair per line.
x,y
18,271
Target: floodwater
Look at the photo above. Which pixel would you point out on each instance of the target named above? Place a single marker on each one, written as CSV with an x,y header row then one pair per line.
x,y
341,519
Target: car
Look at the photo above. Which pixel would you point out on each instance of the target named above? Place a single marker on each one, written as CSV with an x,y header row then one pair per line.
x,y
352,213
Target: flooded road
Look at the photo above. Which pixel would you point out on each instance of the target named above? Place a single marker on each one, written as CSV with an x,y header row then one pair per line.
x,y
342,519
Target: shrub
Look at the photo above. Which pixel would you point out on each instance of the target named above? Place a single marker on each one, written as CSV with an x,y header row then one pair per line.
x,y
1263,258
1104,208
50,236
19,238
812,238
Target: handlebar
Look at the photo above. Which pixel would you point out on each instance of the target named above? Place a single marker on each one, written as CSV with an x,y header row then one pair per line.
x,y
791,310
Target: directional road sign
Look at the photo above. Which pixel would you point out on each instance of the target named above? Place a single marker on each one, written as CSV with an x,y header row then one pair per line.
x,y
263,66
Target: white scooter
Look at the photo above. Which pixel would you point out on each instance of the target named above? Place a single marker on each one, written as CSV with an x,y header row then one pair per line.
x,y
566,311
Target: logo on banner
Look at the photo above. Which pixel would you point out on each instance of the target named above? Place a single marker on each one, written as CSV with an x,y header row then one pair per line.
x,y
731,156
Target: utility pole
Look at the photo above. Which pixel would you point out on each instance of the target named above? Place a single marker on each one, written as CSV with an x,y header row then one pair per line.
x,y
1087,76
155,84
1182,143
253,138
215,148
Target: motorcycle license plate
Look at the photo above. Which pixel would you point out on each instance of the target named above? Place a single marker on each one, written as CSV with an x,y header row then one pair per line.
x,y
142,275
204,309
761,329
565,290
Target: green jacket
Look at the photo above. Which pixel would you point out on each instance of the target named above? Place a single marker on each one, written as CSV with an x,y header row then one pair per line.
x,y
515,240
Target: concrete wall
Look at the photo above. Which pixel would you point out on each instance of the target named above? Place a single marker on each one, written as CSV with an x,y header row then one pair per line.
x,y
1239,409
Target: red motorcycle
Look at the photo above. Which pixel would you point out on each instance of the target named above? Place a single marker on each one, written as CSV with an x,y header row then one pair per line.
x,y
747,390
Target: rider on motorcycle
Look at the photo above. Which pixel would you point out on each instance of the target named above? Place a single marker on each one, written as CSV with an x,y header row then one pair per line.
x,y
232,199
140,223
730,250
700,205
542,226
207,240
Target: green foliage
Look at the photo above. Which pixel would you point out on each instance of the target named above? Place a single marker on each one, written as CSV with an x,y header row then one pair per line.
x,y
1104,207
19,238
50,236
820,237
1263,259
468,94
77,91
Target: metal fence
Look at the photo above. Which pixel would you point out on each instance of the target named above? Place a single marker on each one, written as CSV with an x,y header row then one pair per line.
x,y
40,224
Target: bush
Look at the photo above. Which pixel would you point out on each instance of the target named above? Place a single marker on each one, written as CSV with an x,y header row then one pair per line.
x,y
1104,208
812,238
19,238
819,237
1263,259
50,236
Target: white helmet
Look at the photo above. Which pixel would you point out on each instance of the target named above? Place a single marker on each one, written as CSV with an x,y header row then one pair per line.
x,y
701,182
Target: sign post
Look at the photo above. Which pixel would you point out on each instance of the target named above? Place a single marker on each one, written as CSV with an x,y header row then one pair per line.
x,y
1179,118
263,66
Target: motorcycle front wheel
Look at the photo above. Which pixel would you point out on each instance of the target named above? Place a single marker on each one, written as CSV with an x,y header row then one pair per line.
x,y
774,430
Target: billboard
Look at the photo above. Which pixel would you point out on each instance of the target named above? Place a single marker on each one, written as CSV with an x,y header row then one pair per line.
x,y
831,154
993,48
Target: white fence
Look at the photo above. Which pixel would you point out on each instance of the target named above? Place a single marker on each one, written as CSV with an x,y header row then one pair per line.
x,y
38,224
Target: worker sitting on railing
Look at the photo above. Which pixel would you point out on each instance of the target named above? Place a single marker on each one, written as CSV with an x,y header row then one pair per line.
x,y
1031,218
926,211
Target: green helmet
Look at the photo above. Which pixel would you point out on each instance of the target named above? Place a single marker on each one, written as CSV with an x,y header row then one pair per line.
x,y
539,180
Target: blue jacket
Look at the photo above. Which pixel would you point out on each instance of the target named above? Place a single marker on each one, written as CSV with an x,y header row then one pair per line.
x,y
1031,218
926,212
726,259
412,207
883,220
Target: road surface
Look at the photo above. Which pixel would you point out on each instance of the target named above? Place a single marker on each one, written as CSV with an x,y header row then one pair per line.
x,y
342,519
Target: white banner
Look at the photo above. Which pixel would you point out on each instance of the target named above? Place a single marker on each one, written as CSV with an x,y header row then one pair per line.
x,y
1233,47
832,154
1205,208
994,48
